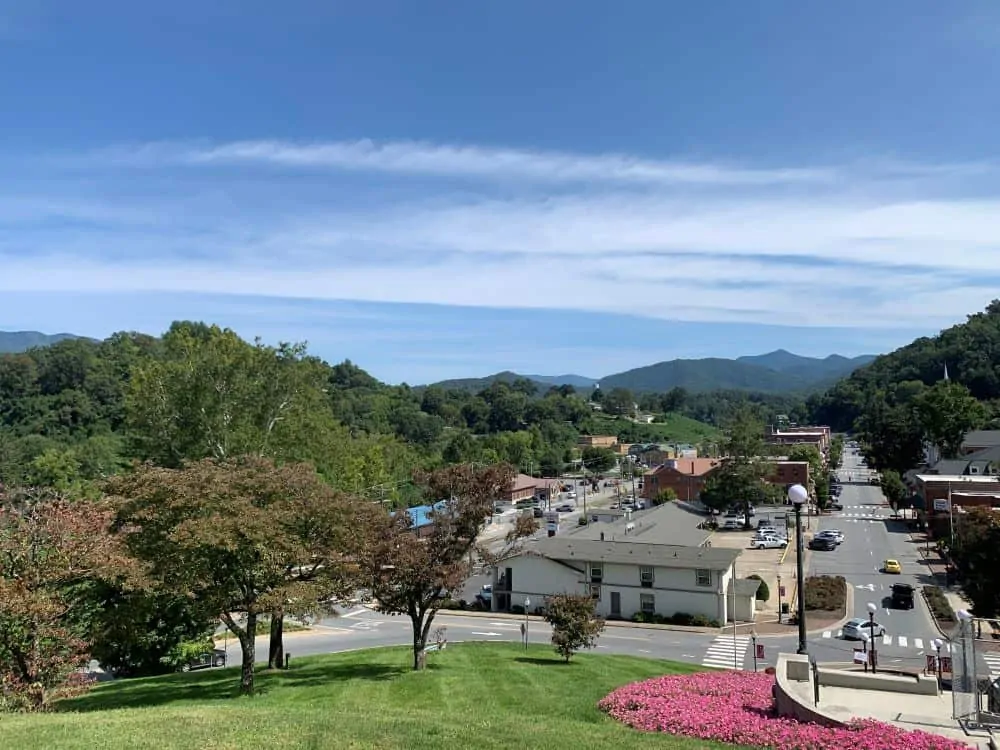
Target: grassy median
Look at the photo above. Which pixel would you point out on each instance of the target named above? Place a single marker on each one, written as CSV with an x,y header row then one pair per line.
x,y
471,696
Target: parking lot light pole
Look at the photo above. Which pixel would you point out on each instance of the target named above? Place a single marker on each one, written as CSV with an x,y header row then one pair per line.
x,y
799,496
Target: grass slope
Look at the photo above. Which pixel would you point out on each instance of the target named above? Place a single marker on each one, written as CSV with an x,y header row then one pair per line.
x,y
474,695
669,428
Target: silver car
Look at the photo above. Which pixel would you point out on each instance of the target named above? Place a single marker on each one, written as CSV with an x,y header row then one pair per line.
x,y
856,629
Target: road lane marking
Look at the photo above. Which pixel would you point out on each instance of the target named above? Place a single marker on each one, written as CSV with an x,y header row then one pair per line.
x,y
886,640
492,635
918,643
902,641
355,613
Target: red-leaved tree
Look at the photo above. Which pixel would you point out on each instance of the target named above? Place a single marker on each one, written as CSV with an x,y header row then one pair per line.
x,y
413,574
50,549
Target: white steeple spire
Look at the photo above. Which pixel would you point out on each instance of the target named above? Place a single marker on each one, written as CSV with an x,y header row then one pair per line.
x,y
946,371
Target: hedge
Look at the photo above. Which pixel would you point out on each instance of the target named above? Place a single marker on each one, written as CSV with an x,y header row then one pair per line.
x,y
826,593
939,605
763,592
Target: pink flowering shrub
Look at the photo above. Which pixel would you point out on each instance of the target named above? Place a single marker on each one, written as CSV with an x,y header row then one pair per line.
x,y
737,707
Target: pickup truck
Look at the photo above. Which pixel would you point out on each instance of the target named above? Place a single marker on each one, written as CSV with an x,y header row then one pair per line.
x,y
768,542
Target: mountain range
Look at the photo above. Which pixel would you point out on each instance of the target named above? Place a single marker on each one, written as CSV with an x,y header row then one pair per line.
x,y
775,372
12,342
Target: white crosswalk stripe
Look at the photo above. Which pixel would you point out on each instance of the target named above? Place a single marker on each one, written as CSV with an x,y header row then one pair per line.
x,y
727,652
903,641
992,659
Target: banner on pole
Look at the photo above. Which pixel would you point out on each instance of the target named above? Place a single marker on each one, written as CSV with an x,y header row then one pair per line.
x,y
760,650
860,657
931,663
946,664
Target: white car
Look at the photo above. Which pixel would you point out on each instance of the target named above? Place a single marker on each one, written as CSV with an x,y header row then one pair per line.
x,y
768,542
855,629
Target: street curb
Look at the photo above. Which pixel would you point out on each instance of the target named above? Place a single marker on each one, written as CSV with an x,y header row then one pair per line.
x,y
609,623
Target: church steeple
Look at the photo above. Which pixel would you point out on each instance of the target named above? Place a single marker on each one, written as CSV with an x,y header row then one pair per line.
x,y
946,372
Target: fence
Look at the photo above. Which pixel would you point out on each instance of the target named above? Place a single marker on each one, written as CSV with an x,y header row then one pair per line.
x,y
969,691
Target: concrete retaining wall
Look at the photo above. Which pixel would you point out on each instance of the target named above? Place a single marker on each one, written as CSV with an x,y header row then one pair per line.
x,y
891,683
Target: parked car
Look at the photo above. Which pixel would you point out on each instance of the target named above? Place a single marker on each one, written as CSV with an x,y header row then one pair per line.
x,y
768,542
823,544
902,596
836,536
537,512
214,658
565,508
854,629
571,495
732,523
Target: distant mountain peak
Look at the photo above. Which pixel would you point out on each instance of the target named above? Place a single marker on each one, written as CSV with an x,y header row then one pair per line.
x,y
15,342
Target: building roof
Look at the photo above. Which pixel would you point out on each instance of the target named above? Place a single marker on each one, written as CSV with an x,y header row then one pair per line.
x,y
666,524
420,515
524,482
743,586
981,438
695,467
567,548
959,478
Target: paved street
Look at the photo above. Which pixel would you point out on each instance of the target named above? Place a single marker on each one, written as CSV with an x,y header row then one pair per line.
x,y
870,538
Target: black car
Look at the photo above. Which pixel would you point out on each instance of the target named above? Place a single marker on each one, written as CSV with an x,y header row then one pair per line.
x,y
822,543
836,506
902,596
214,658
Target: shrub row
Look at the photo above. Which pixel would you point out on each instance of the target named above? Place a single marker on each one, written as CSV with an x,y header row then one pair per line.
x,y
678,618
826,593
939,605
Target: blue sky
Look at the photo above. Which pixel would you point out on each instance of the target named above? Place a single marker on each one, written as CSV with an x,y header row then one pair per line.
x,y
443,189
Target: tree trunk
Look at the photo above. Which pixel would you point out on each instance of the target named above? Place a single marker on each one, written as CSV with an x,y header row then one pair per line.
x,y
247,644
276,648
419,642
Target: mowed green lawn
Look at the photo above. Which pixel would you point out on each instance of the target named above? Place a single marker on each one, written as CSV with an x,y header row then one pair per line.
x,y
472,696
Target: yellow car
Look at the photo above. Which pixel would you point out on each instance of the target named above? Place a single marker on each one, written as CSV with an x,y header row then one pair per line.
x,y
892,566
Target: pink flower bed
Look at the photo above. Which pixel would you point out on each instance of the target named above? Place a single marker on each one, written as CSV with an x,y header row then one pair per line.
x,y
737,707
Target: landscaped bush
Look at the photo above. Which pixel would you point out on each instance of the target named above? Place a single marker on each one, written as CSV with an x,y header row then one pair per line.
x,y
763,592
826,593
939,605
738,708
680,618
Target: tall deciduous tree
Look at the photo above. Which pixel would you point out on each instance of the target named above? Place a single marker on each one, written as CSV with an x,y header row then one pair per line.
x,y
51,548
244,537
213,395
413,575
977,556
740,478
893,488
946,412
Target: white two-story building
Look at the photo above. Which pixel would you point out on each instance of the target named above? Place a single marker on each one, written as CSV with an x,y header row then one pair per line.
x,y
627,577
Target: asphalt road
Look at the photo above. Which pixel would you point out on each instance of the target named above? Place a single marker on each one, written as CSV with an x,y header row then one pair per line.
x,y
870,538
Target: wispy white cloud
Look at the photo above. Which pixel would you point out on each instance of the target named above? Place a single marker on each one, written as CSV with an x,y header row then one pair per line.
x,y
863,245
418,158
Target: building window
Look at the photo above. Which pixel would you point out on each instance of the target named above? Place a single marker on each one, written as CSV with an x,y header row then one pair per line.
x,y
595,591
647,604
646,576
596,572
703,577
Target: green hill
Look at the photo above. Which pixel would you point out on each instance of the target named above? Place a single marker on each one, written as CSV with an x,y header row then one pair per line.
x,y
13,342
475,695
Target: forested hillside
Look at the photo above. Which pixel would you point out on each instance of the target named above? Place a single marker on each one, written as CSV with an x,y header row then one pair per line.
x,y
79,410
902,398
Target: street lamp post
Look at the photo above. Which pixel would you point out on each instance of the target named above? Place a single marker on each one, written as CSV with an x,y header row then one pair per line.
x,y
527,603
871,632
936,644
779,598
799,496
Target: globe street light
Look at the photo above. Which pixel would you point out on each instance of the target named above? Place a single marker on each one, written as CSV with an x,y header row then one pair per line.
x,y
799,496
527,603
871,630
